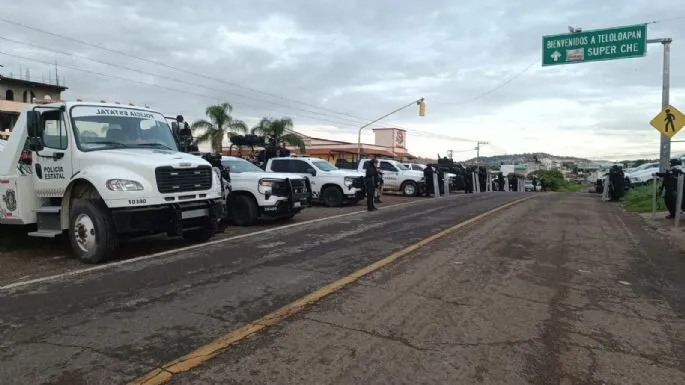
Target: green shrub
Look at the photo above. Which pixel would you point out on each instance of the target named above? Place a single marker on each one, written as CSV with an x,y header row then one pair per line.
x,y
639,200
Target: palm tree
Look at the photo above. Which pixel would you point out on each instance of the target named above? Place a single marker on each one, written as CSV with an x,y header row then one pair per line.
x,y
281,130
219,124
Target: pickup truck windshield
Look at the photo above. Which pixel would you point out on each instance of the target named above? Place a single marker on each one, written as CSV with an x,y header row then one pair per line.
x,y
401,166
105,128
239,166
324,166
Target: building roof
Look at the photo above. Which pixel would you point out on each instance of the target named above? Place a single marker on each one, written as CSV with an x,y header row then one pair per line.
x,y
30,84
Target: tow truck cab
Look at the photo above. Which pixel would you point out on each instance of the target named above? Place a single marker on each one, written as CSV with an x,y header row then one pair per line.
x,y
104,171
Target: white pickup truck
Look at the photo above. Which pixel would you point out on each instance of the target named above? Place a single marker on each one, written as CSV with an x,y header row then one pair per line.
x,y
101,171
330,185
397,177
258,194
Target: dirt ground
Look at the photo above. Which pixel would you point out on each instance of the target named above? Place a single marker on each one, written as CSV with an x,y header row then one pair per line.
x,y
37,257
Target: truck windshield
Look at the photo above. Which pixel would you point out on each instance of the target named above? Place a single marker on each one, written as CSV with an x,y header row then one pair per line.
x,y
239,166
324,166
104,128
401,166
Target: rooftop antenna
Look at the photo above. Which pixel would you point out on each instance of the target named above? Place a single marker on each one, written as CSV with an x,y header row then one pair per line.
x,y
28,75
56,74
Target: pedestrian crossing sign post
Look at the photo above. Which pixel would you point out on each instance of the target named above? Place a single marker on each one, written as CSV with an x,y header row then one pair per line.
x,y
669,121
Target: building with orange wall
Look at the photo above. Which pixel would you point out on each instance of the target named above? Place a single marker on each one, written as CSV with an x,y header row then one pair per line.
x,y
388,143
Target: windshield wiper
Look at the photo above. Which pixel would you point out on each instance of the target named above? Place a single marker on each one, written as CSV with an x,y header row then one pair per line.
x,y
155,144
107,142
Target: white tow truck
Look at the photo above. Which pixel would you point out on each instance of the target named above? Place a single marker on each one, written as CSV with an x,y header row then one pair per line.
x,y
101,172
258,194
330,185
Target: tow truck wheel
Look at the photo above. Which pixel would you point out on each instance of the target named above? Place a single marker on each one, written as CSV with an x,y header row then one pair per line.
x,y
409,189
332,196
92,232
243,211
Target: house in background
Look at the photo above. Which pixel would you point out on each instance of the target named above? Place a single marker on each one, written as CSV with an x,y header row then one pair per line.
x,y
388,143
17,94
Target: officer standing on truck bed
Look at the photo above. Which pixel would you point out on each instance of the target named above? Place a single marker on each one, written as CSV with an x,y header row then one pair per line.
x,y
371,175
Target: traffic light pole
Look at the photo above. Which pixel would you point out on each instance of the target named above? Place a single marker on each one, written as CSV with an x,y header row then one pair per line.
x,y
665,146
359,134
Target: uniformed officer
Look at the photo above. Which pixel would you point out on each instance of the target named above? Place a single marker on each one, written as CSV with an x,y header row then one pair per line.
x,y
428,176
370,178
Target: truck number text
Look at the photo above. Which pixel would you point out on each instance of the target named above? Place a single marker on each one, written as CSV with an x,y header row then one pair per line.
x,y
137,201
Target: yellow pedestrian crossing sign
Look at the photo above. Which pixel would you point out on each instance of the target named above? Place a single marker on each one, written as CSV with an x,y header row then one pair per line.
x,y
669,121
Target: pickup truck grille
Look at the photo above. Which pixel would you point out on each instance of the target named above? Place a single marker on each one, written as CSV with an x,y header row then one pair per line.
x,y
173,180
280,189
358,182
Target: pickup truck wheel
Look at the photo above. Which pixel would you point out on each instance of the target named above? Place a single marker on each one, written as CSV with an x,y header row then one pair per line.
x,y
92,232
332,196
409,189
244,211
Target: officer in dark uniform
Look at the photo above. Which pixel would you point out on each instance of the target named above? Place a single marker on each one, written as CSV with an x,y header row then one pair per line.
x,y
370,178
500,181
428,175
670,186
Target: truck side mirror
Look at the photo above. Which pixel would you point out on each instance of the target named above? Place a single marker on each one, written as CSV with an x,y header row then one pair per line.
x,y
34,124
36,143
311,171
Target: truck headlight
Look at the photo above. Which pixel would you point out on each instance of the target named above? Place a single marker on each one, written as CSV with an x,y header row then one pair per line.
x,y
265,186
123,185
349,181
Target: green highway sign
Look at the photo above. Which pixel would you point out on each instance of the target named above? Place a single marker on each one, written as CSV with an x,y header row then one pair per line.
x,y
596,45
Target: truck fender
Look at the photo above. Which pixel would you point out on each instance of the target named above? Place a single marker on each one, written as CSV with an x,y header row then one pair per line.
x,y
78,188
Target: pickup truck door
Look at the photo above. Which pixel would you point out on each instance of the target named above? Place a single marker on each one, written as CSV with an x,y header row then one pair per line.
x,y
390,175
52,166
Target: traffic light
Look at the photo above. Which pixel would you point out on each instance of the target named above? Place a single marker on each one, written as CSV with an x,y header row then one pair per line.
x,y
422,107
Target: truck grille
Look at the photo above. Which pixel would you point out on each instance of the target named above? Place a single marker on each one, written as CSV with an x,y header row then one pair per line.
x,y
280,188
358,182
299,186
173,180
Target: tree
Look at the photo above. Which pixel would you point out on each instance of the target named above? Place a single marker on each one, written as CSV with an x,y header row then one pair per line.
x,y
280,131
219,124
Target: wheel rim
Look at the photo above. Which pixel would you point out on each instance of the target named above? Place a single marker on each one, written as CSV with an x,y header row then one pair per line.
x,y
409,189
84,233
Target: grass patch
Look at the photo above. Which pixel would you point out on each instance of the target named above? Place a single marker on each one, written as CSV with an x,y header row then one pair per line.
x,y
570,187
639,200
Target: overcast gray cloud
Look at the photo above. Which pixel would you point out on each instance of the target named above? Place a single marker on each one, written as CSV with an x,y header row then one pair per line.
x,y
366,58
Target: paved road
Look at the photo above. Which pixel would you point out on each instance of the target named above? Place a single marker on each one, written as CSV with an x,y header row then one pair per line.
x,y
562,289
54,256
112,325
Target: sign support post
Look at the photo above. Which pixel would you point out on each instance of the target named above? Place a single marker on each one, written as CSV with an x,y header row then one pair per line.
x,y
665,147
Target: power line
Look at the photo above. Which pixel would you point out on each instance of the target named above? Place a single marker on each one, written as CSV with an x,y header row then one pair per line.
x,y
497,87
165,77
214,99
162,64
190,72
337,121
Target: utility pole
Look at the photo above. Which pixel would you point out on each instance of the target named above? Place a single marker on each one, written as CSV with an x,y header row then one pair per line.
x,y
665,147
478,144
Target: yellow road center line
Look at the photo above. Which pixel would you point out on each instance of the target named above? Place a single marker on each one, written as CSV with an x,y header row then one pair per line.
x,y
210,350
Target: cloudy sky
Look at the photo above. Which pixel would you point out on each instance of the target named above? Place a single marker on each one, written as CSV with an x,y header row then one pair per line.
x,y
334,65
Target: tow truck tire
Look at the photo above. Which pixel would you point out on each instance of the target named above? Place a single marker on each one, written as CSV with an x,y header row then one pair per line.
x,y
332,196
92,233
409,189
243,211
